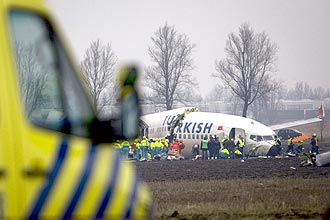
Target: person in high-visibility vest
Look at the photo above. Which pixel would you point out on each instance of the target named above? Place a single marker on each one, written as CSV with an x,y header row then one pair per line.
x,y
135,147
144,146
290,148
125,147
278,145
204,148
158,147
240,145
238,154
165,145
300,145
117,145
154,148
224,153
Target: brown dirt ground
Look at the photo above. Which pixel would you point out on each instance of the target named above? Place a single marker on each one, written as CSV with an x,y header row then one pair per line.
x,y
169,172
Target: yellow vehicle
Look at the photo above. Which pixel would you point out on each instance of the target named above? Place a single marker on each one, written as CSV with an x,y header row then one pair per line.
x,y
56,160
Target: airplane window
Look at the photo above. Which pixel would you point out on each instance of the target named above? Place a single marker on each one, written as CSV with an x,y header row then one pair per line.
x,y
184,136
168,128
180,136
205,136
189,136
253,137
201,136
193,136
197,136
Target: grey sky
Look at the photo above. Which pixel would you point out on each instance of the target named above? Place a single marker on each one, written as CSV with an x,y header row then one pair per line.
x,y
300,28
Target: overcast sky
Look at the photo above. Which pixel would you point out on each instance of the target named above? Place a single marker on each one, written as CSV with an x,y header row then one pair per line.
x,y
300,28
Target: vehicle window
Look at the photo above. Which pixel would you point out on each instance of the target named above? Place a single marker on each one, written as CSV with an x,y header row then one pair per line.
x,y
50,91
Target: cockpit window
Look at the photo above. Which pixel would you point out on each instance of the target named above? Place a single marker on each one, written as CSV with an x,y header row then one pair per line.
x,y
256,138
50,91
268,138
259,138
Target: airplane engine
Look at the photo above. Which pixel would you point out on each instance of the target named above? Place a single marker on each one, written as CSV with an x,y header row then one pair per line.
x,y
261,149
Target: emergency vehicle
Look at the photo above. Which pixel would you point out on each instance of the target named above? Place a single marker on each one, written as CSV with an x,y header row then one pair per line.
x,y
56,158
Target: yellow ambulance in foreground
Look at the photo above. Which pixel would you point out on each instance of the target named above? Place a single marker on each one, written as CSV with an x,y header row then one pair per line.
x,y
56,161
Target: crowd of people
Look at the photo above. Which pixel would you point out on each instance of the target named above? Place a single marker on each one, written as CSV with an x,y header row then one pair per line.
x,y
294,148
145,149
215,149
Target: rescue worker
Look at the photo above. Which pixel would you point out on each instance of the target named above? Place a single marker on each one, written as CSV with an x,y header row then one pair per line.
x,y
117,145
135,147
204,148
158,147
125,147
231,147
224,153
181,146
153,148
238,153
224,142
165,145
290,148
175,145
144,146
315,145
300,148
278,146
195,151
211,147
240,145
217,147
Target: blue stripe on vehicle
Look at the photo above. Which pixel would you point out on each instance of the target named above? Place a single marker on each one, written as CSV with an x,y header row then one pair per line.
x,y
81,183
111,186
49,183
133,198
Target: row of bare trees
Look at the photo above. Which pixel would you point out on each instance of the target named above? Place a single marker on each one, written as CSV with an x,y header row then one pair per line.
x,y
247,71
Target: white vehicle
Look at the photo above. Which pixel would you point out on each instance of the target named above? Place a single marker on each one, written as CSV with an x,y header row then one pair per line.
x,y
193,126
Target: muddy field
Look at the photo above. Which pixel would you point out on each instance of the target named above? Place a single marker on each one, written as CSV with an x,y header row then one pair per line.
x,y
231,168
168,179
228,169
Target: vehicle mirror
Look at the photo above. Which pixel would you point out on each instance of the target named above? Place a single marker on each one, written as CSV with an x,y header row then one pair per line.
x,y
130,110
125,127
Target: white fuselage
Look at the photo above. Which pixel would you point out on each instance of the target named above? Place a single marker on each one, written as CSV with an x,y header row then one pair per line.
x,y
196,125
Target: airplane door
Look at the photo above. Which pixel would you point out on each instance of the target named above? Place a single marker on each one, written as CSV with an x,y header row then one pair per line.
x,y
236,132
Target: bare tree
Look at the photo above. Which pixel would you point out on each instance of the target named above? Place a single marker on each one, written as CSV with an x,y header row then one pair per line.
x,y
302,90
246,70
264,108
32,77
98,70
170,77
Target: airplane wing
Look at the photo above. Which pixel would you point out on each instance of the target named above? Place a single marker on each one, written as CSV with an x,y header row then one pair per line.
x,y
294,123
321,114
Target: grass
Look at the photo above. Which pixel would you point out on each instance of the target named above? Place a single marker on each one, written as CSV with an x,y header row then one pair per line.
x,y
242,198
